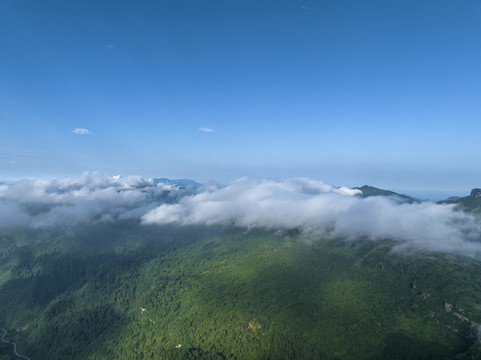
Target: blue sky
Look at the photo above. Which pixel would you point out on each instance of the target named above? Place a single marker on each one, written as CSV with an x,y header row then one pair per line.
x,y
386,93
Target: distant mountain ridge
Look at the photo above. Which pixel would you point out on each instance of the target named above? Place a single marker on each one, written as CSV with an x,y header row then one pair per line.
x,y
368,191
183,183
467,203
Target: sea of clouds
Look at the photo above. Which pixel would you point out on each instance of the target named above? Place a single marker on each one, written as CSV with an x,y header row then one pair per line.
x,y
305,204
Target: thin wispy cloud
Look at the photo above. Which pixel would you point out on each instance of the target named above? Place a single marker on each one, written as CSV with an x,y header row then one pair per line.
x,y
80,131
207,130
7,162
16,151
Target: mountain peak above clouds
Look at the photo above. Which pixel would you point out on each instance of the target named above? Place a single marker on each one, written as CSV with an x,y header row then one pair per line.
x,y
182,183
469,203
475,193
368,191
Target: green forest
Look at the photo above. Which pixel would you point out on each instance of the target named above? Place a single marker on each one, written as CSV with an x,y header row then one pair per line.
x,y
122,290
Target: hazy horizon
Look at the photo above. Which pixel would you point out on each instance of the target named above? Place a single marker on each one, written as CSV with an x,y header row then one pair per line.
x,y
421,194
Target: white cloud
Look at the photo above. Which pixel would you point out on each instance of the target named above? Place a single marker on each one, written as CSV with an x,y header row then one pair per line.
x,y
334,212
307,204
16,151
12,215
85,197
208,130
80,131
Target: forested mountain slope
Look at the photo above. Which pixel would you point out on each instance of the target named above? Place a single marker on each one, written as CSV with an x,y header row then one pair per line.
x,y
127,291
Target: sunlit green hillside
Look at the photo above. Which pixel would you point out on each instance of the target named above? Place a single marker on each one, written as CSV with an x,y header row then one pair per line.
x,y
126,291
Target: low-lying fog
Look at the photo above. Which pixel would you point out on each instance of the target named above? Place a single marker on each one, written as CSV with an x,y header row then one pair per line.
x,y
307,204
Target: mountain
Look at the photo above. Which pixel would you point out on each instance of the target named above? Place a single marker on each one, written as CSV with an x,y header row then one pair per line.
x,y
471,203
183,183
368,191
122,290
